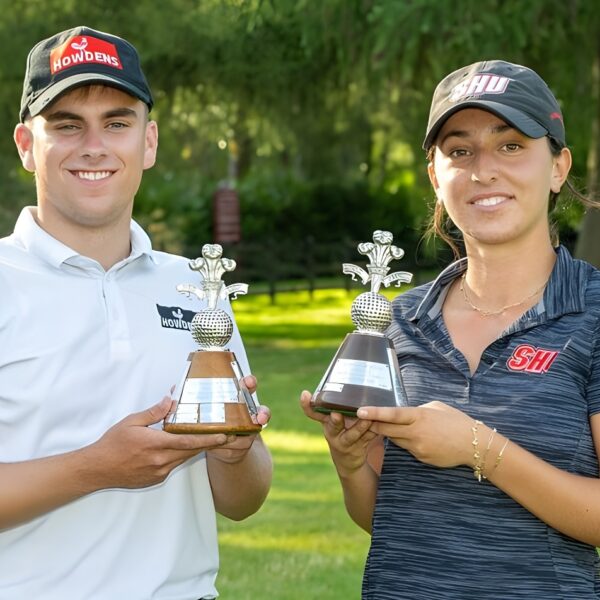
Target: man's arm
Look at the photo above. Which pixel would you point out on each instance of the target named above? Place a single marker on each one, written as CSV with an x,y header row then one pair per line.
x,y
240,476
240,471
129,455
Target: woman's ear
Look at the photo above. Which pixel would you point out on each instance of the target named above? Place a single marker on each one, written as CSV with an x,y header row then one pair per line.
x,y
561,165
23,137
434,181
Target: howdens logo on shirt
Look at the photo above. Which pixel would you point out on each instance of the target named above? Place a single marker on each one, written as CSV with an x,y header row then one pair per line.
x,y
531,359
173,317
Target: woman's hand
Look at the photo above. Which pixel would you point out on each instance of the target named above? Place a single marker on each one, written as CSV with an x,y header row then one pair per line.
x,y
349,438
434,433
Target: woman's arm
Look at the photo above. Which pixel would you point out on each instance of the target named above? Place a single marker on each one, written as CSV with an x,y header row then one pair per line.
x,y
440,435
356,453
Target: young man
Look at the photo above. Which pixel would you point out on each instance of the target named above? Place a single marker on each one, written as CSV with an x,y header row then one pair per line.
x,y
96,501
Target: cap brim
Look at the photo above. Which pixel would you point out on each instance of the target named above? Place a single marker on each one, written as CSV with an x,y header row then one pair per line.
x,y
517,119
69,83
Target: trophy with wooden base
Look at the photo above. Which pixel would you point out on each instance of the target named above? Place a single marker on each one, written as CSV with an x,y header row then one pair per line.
x,y
213,397
364,371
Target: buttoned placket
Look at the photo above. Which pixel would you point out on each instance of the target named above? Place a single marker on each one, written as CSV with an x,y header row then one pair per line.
x,y
117,325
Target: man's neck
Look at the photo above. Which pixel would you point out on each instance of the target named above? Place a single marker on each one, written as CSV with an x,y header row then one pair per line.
x,y
106,245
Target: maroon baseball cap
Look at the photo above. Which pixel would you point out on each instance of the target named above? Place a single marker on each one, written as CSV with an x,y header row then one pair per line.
x,y
514,93
77,57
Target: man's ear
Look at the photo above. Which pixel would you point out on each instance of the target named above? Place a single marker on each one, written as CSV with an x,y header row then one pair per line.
x,y
151,144
23,137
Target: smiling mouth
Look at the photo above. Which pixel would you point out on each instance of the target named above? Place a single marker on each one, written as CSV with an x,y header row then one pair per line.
x,y
493,201
92,175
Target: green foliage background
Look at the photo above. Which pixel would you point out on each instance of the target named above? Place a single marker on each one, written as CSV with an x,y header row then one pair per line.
x,y
314,110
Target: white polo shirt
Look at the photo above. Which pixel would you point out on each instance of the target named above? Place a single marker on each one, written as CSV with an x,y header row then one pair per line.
x,y
81,348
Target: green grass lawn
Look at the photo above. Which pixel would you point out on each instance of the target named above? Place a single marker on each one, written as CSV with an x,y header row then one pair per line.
x,y
301,545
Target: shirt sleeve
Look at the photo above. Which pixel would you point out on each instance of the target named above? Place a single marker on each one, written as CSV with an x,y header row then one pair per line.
x,y
593,387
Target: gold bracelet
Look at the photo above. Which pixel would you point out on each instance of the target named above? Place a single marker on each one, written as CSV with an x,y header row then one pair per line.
x,y
476,455
500,454
487,450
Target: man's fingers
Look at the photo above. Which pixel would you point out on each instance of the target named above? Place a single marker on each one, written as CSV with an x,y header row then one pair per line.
x,y
251,383
194,442
151,415
264,415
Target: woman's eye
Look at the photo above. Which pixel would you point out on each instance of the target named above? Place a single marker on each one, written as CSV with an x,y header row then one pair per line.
x,y
512,147
458,153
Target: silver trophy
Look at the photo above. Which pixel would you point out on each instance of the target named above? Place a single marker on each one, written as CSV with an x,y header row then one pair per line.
x,y
213,397
364,371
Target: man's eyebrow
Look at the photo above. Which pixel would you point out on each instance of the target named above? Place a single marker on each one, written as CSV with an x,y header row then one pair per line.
x,y
120,112
65,115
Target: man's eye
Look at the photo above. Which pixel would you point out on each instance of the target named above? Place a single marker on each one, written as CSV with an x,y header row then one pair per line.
x,y
512,147
67,126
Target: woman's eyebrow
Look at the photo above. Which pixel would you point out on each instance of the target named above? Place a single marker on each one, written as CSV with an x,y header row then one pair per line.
x,y
463,133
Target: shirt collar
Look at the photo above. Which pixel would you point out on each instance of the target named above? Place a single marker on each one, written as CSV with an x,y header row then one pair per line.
x,y
565,292
52,251
438,289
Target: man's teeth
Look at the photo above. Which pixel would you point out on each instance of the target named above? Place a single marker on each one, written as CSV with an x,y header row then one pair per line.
x,y
490,201
93,175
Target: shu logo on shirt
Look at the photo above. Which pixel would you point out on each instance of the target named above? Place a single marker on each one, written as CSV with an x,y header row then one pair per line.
x,y
173,317
531,359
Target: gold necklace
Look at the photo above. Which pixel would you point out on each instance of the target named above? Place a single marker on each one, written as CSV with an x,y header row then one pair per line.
x,y
493,313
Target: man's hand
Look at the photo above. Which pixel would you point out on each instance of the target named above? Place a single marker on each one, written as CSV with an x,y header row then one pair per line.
x,y
237,446
131,454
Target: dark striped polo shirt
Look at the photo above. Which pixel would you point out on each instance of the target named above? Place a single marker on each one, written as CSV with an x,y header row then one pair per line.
x,y
438,534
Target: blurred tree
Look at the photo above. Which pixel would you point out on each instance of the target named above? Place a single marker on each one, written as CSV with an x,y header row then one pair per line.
x,y
308,93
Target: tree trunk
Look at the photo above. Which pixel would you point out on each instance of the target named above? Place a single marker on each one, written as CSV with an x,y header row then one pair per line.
x,y
588,242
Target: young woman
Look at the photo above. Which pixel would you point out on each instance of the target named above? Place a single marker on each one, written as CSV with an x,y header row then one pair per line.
x,y
489,487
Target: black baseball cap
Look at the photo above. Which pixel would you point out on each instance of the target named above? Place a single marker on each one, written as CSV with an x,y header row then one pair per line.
x,y
514,93
77,57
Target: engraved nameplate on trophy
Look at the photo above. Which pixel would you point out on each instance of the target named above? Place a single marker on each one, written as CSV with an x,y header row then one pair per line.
x,y
212,396
364,371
